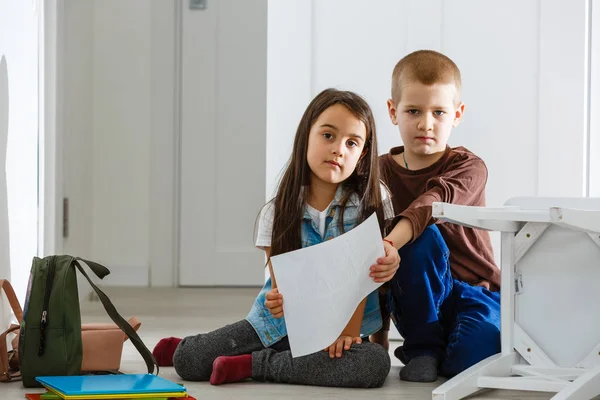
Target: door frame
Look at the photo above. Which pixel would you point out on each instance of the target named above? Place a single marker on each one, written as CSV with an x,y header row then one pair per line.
x,y
50,68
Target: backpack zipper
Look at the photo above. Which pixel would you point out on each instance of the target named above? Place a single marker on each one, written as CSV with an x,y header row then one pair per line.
x,y
44,320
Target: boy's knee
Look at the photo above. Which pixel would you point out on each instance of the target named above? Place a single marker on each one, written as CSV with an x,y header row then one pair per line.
x,y
489,340
481,343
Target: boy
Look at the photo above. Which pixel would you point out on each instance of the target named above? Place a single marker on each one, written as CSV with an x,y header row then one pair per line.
x,y
444,299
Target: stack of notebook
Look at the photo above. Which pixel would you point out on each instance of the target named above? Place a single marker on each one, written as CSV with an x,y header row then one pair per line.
x,y
109,387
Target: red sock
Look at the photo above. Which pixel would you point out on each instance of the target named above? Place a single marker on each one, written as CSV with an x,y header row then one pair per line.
x,y
164,350
231,369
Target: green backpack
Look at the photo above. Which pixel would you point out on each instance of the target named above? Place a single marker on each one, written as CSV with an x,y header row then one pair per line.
x,y
50,336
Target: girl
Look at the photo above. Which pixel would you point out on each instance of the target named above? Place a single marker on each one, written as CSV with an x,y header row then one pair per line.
x,y
331,184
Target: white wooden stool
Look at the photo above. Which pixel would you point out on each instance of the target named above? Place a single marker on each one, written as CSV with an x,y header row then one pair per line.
x,y
550,297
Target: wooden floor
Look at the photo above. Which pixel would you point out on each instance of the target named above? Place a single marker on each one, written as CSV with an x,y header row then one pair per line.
x,y
182,312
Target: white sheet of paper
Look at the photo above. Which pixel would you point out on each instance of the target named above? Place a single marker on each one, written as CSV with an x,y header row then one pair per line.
x,y
323,284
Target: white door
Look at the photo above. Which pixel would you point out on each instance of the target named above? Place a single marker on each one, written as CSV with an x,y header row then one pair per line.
x,y
223,138
19,119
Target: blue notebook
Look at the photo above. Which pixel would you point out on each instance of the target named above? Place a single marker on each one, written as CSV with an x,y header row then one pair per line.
x,y
91,385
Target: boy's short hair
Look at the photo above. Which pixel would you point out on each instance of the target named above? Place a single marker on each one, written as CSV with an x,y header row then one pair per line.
x,y
427,67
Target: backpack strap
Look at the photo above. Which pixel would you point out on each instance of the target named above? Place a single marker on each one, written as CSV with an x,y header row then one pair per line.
x,y
5,374
12,299
101,272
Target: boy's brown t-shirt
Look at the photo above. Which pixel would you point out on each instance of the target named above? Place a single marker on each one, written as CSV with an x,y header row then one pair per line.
x,y
459,177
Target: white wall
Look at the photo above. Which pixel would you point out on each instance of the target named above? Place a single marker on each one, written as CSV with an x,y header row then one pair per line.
x,y
515,81
18,145
595,105
563,139
289,80
4,232
4,224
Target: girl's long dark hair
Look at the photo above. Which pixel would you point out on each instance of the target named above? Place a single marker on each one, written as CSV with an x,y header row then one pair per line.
x,y
291,195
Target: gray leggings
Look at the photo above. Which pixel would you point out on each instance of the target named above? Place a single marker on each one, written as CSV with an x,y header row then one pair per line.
x,y
365,365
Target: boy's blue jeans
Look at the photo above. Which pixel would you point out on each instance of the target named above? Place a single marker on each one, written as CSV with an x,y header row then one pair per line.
x,y
440,316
